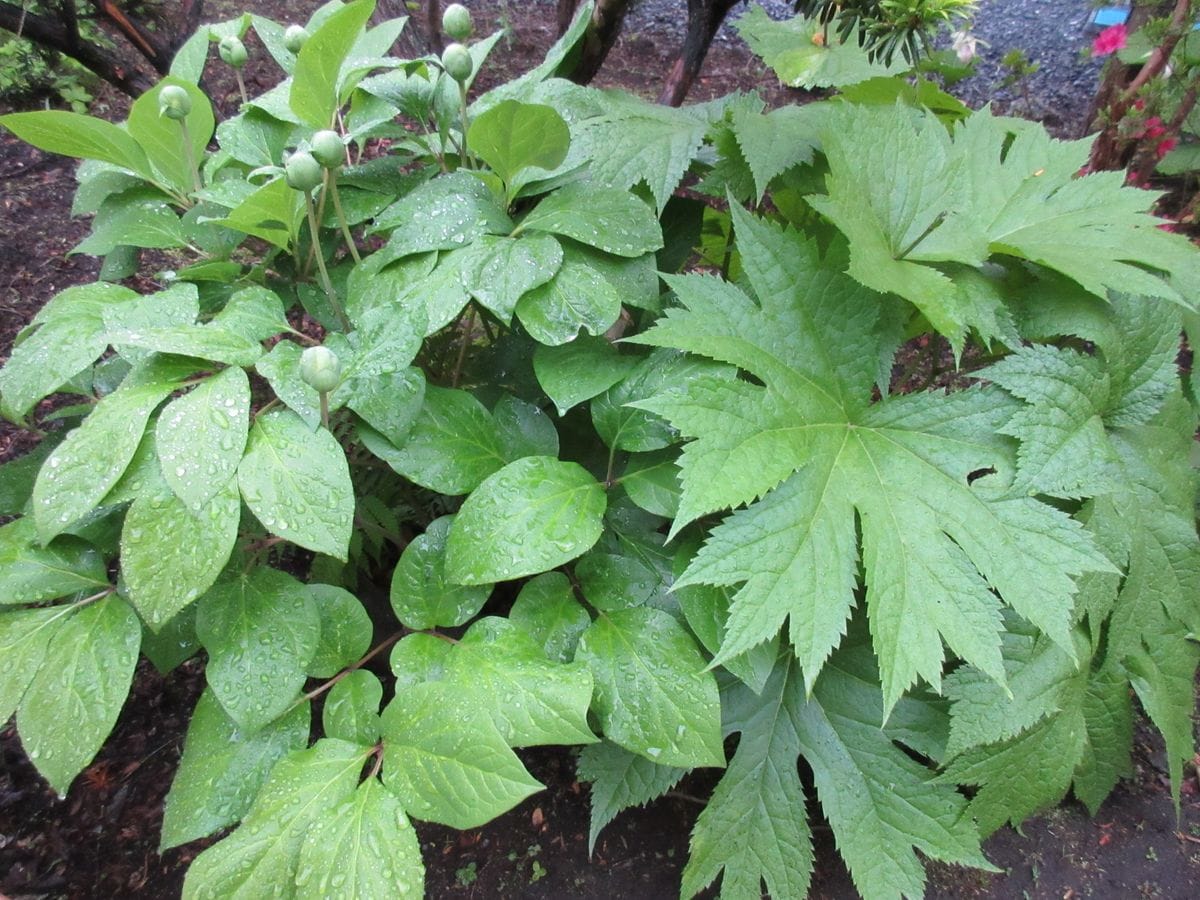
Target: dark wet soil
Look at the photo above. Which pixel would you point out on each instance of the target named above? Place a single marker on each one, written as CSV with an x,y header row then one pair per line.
x,y
101,840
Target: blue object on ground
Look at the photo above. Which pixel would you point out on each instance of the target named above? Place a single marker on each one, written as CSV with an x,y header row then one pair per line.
x,y
1107,16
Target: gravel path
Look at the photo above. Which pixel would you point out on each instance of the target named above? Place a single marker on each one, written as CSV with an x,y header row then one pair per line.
x,y
1052,33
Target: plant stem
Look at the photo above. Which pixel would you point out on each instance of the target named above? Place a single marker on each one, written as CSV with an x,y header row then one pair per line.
x,y
325,409
371,654
326,284
241,86
937,220
462,347
189,154
337,206
466,151
312,250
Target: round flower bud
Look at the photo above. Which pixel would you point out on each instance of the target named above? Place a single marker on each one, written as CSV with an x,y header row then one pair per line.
x,y
303,173
456,22
320,368
456,60
328,149
294,37
233,51
174,102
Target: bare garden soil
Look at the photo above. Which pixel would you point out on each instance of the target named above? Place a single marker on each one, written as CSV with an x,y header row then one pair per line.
x,y
101,840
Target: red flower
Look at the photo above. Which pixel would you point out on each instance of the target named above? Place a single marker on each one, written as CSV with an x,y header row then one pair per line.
x,y
1165,146
1154,128
1109,40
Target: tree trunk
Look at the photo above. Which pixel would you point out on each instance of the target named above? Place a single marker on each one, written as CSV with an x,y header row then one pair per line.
x,y
56,34
433,25
704,18
602,32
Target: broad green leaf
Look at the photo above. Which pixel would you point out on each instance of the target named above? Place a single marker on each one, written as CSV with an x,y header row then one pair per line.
x,y
82,469
163,138
792,50
264,854
625,570
30,573
531,699
83,137
71,334
619,780
448,212
345,630
532,515
135,218
351,711
314,93
421,596
281,368
297,483
577,297
72,704
254,137
24,636
523,429
653,696
201,436
512,136
385,342
652,482
390,403
260,630
453,446
836,471
171,554
273,212
608,219
448,762
211,342
223,768
502,269
254,312
18,475
361,847
580,370
548,611
622,425
1108,716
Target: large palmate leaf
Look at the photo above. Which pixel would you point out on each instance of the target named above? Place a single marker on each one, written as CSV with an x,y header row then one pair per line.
x,y
881,804
915,201
937,545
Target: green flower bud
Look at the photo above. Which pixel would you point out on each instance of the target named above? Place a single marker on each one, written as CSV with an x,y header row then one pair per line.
x,y
294,37
320,368
233,51
174,102
456,60
456,22
328,149
303,173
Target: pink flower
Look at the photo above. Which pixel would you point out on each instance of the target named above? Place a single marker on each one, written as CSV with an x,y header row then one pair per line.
x,y
1165,146
1110,40
1154,128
